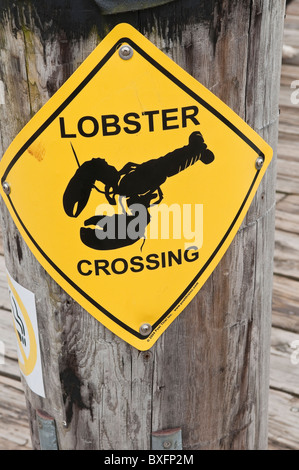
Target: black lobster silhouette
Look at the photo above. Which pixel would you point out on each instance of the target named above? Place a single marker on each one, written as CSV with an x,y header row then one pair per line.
x,y
137,183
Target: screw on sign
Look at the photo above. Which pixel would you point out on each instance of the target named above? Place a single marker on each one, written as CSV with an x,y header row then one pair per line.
x,y
126,52
145,329
259,163
6,187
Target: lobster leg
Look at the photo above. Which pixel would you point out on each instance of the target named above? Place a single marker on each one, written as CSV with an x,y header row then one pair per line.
x,y
160,195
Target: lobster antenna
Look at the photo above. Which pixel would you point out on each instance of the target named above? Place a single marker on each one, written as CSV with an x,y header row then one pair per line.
x,y
75,155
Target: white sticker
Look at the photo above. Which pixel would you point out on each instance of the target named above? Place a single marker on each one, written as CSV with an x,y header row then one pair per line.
x,y
26,329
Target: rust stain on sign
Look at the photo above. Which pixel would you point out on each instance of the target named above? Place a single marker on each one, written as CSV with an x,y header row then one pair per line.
x,y
37,150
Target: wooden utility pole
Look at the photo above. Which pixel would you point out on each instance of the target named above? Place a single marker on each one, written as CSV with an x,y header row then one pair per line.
x,y
208,373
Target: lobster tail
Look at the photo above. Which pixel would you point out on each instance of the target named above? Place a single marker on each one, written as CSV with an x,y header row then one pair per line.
x,y
182,158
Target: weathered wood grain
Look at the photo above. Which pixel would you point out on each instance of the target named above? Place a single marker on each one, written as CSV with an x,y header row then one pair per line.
x,y
289,116
291,37
14,426
289,73
286,184
293,10
287,214
284,390
288,144
9,364
279,197
4,297
286,303
286,254
288,170
284,377
286,99
283,420
209,371
284,368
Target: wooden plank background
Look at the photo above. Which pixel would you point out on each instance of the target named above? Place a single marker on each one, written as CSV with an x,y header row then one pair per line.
x,y
284,382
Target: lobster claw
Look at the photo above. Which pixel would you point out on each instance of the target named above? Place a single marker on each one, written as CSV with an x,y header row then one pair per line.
x,y
79,188
111,232
77,194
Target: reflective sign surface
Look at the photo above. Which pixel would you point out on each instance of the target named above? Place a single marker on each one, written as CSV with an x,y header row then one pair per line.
x,y
130,184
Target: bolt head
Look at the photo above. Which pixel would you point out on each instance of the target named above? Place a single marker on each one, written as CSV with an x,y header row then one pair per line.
x,y
6,187
167,444
126,52
259,163
145,329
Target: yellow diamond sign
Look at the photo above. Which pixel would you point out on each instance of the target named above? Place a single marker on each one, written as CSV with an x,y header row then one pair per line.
x,y
130,184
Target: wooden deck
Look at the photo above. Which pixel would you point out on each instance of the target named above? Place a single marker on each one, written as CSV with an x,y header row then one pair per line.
x,y
284,380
